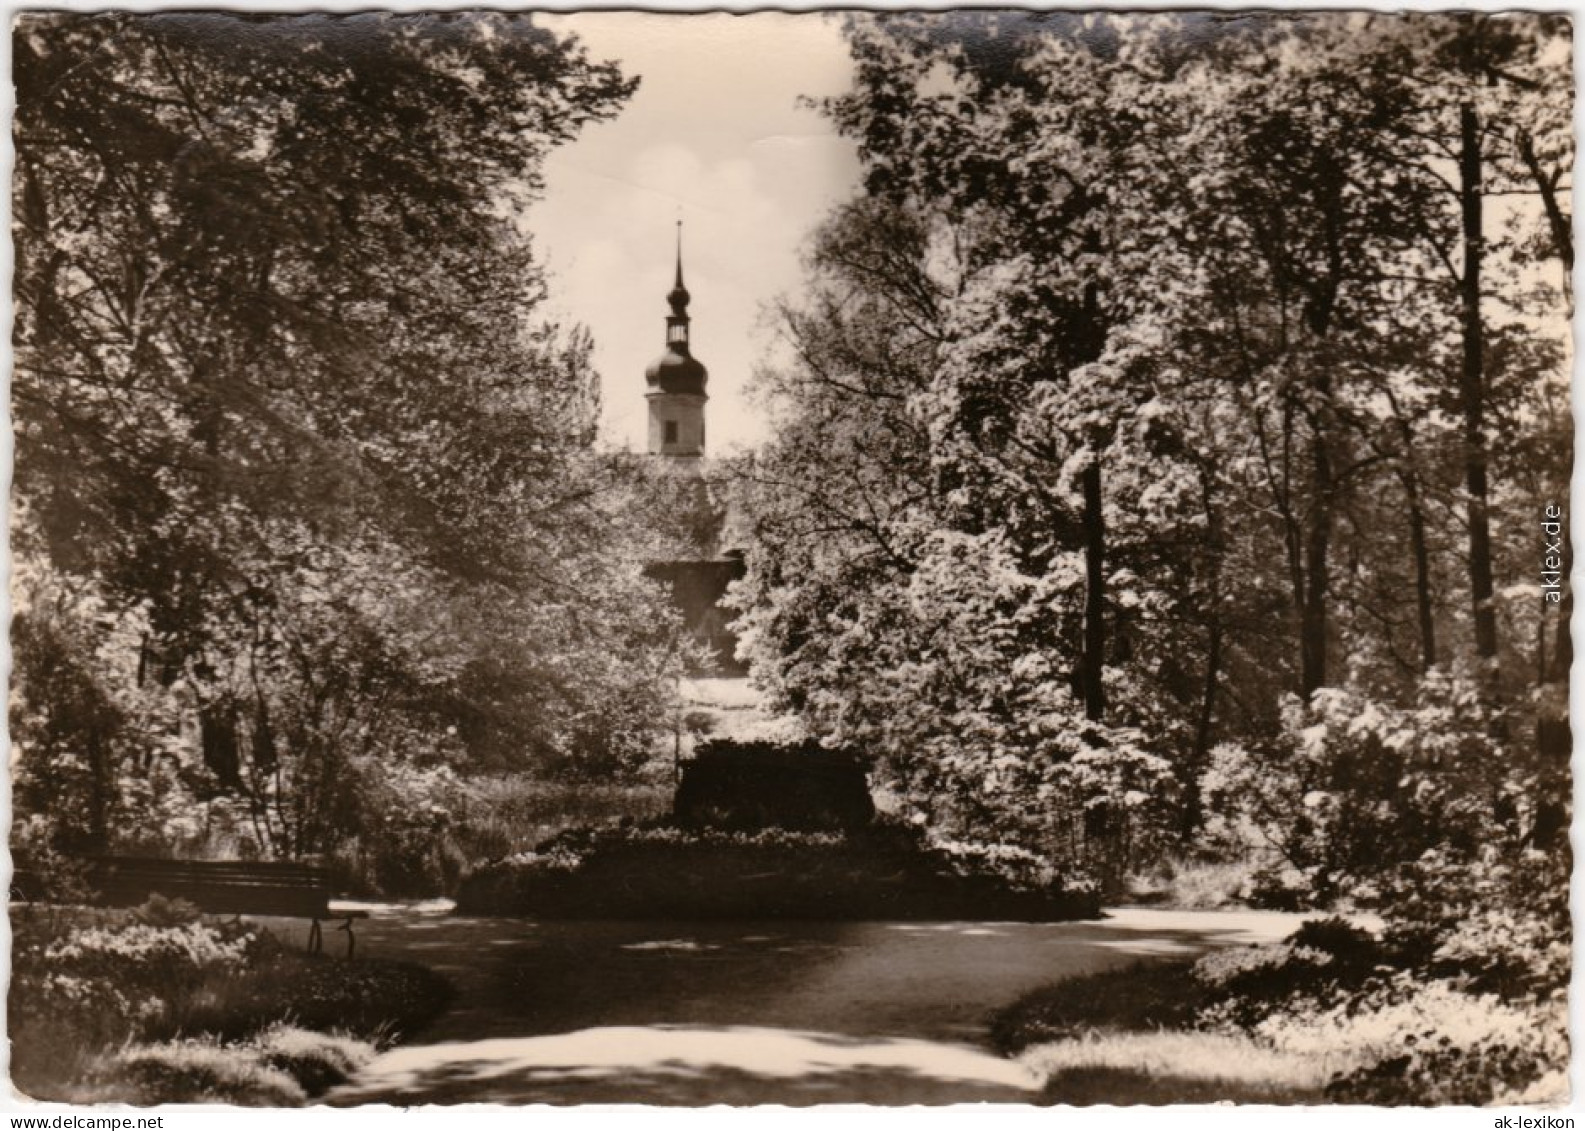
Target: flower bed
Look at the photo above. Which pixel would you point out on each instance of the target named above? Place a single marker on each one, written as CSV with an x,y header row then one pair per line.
x,y
1331,1014
159,1005
663,871
1396,1036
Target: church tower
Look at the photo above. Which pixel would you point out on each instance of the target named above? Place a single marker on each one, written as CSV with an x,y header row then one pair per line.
x,y
676,383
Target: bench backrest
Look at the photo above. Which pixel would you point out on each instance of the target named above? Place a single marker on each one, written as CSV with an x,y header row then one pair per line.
x,y
221,887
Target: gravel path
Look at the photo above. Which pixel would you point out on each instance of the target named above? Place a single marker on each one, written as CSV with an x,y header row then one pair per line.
x,y
785,1013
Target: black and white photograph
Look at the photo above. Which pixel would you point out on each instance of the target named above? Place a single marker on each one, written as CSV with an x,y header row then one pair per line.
x,y
872,557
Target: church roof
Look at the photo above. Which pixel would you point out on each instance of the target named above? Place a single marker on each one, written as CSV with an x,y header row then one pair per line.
x,y
677,371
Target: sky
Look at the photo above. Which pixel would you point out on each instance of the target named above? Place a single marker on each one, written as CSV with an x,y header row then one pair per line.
x,y
714,137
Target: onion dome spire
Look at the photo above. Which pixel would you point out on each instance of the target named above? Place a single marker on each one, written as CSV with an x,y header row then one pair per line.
x,y
677,371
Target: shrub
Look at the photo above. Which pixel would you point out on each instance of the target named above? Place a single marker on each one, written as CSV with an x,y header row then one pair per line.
x,y
87,981
1352,789
39,872
155,956
1098,800
1244,985
1443,816
1319,965
425,832
1017,865
1428,1043
1353,951
396,839
1499,920
1411,1041
510,814
1196,885
161,911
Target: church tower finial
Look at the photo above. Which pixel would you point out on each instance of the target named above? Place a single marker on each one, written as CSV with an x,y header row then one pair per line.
x,y
679,294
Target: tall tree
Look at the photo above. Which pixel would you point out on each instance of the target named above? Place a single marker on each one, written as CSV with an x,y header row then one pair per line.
x,y
287,421
1485,109
1192,353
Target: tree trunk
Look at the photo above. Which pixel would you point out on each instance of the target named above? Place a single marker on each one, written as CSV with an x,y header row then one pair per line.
x,y
1293,539
1409,477
1472,390
102,789
1094,593
1313,618
1193,810
1422,572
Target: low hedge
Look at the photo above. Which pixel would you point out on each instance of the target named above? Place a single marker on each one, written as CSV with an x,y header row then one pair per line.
x,y
670,872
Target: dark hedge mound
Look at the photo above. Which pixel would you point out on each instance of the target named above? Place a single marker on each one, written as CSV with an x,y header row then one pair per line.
x,y
762,785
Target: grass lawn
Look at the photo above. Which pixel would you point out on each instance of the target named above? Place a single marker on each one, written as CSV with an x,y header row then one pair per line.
x,y
1145,997
1175,1067
1123,1037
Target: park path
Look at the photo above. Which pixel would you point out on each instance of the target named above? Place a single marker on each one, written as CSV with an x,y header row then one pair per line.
x,y
785,1013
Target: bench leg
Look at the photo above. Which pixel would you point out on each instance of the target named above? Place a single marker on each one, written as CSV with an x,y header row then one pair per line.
x,y
346,925
316,938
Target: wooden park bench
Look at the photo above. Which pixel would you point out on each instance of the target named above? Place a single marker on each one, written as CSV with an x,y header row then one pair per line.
x,y
226,887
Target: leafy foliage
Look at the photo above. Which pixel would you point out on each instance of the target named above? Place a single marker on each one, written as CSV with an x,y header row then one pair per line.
x,y
307,510
1132,489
